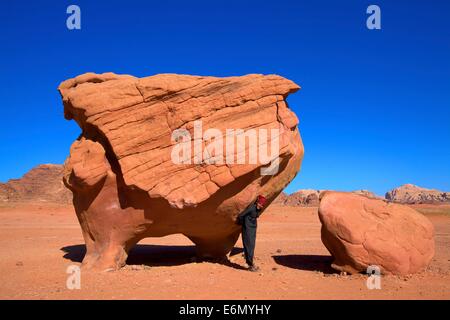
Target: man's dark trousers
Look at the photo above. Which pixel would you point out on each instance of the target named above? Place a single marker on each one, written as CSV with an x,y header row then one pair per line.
x,y
248,219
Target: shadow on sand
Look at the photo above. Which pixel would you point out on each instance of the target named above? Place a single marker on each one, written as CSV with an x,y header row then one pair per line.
x,y
306,262
154,255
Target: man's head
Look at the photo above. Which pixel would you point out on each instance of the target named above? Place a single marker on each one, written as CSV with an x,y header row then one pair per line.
x,y
260,202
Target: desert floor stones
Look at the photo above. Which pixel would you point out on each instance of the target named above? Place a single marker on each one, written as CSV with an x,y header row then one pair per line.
x,y
125,183
43,184
359,231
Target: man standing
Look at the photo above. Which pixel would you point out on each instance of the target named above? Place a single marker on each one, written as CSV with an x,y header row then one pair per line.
x,y
248,220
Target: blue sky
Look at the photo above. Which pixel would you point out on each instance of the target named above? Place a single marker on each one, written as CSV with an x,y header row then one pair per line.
x,y
374,107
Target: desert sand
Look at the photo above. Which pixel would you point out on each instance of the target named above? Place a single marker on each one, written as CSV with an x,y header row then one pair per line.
x,y
39,241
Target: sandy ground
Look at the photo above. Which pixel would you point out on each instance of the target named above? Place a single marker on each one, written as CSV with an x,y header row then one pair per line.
x,y
38,243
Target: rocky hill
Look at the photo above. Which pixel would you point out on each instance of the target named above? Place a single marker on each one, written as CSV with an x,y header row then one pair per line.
x,y
301,198
412,194
41,184
368,194
311,198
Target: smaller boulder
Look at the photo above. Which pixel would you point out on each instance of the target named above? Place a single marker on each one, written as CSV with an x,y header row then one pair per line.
x,y
359,232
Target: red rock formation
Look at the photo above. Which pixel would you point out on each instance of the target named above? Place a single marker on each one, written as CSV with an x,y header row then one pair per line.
x,y
411,194
41,184
126,186
359,232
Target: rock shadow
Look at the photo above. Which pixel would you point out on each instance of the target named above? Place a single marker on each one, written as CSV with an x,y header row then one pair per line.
x,y
154,255
74,253
306,262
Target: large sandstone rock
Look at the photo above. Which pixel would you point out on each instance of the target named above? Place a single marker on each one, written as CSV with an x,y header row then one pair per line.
x,y
125,183
359,231
41,184
412,194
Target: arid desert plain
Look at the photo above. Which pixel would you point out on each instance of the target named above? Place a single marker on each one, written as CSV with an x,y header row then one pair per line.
x,y
38,242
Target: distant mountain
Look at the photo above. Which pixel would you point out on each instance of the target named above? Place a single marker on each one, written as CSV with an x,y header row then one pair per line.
x,y
412,194
41,184
301,198
367,193
406,194
311,198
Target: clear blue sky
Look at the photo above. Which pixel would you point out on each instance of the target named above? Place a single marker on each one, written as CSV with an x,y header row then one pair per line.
x,y
374,107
